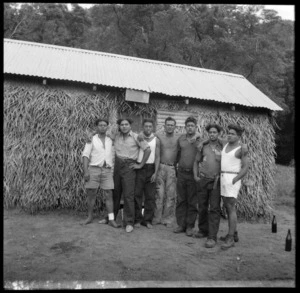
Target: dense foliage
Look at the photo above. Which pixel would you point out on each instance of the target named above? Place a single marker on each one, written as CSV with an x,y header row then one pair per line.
x,y
242,39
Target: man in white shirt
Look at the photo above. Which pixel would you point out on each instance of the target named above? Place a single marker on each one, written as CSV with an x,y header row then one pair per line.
x,y
98,163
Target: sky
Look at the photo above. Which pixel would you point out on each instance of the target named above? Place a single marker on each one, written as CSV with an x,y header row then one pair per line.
x,y
285,11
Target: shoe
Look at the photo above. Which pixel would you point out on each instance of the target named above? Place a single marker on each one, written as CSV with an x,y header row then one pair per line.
x,y
235,237
210,243
229,242
113,224
169,225
149,226
103,221
129,228
189,232
137,225
154,222
200,235
179,230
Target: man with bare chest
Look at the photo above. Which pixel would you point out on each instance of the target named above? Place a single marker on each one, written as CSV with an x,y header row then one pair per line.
x,y
166,176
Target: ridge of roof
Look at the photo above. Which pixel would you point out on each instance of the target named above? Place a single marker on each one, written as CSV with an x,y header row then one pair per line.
x,y
124,57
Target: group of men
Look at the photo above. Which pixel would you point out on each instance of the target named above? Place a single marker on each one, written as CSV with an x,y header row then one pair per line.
x,y
176,177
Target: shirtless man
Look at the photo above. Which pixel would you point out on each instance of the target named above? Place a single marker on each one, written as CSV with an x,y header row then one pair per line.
x,y
234,166
166,176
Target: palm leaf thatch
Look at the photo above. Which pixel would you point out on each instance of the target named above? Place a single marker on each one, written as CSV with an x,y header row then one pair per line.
x,y
45,130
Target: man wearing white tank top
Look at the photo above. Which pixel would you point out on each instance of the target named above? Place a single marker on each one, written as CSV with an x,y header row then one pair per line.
x,y
145,182
234,166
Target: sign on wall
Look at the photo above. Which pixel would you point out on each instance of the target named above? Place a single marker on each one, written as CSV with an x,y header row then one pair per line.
x,y
136,96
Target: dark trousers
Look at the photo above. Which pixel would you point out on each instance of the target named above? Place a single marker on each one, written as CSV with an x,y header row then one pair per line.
x,y
209,221
186,206
143,186
124,181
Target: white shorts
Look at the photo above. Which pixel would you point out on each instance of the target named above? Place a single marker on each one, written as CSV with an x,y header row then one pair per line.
x,y
227,188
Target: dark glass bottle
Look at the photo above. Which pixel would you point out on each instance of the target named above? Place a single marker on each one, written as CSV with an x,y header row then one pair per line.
x,y
274,225
288,241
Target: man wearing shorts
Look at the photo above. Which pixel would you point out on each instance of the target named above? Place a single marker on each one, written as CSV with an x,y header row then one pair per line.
x,y
234,166
98,158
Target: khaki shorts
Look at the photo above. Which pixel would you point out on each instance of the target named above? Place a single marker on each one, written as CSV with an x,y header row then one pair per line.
x,y
100,176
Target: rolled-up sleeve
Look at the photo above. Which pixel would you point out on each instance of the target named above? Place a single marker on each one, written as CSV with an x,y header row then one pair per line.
x,y
87,150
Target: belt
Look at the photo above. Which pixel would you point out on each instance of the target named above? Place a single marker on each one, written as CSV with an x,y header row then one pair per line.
x,y
126,160
167,164
147,165
215,179
185,169
229,172
205,177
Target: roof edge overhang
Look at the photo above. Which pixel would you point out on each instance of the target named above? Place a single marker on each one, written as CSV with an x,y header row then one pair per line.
x,y
138,89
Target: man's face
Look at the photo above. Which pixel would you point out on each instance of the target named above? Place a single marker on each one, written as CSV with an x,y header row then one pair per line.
x,y
232,136
148,128
102,127
125,126
213,134
190,128
170,126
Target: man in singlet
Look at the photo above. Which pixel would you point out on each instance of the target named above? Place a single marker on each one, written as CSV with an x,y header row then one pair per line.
x,y
145,182
166,176
234,166
207,168
186,206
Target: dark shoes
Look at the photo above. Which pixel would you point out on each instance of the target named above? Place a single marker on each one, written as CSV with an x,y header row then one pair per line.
x,y
179,230
235,237
229,242
200,235
113,224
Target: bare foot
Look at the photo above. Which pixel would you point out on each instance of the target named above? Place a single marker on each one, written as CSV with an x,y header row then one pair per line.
x,y
87,221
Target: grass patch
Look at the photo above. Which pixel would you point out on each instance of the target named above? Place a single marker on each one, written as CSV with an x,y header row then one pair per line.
x,y
285,185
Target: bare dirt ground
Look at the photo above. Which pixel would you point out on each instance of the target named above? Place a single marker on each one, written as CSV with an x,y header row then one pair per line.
x,y
51,250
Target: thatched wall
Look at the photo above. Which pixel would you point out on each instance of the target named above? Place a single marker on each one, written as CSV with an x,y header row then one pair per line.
x,y
45,128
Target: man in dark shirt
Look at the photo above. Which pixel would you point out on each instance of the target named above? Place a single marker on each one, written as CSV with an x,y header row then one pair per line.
x,y
186,206
207,176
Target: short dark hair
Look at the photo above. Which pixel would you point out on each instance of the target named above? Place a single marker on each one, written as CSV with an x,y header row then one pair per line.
x,y
148,120
100,120
191,119
239,130
119,121
170,119
213,125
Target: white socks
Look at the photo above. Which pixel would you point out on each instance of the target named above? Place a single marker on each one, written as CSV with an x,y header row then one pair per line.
x,y
111,216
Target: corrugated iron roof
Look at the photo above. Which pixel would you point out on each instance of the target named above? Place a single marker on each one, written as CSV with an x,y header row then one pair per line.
x,y
64,63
